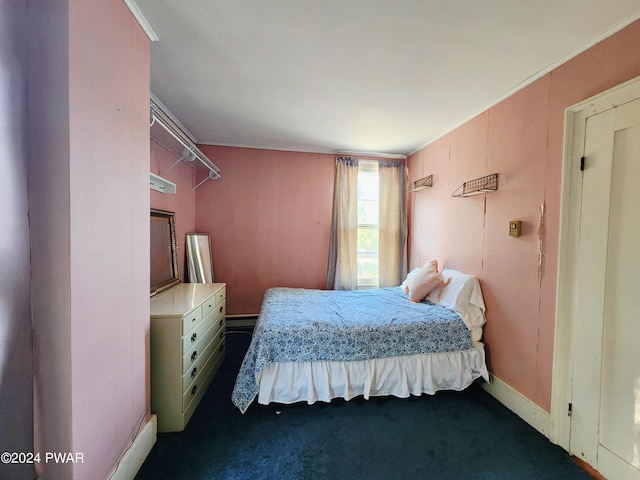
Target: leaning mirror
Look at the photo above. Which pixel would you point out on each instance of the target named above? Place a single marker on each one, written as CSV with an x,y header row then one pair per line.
x,y
198,258
164,251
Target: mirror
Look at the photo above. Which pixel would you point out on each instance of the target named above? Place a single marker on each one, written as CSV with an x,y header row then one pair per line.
x,y
198,258
164,251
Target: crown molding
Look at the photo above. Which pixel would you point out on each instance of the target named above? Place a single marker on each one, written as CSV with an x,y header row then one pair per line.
x,y
137,13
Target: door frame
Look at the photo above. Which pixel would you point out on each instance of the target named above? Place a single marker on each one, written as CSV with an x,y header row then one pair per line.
x,y
570,204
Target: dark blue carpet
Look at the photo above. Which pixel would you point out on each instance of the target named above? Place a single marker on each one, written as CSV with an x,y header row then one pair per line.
x,y
451,435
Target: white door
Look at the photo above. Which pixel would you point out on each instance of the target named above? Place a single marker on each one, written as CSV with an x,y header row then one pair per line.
x,y
605,397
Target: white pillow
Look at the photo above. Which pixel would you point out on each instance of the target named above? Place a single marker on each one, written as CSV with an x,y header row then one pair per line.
x,y
464,296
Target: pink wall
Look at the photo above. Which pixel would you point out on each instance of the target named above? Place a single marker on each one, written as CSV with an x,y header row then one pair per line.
x,y
49,223
521,138
183,202
269,218
89,208
16,364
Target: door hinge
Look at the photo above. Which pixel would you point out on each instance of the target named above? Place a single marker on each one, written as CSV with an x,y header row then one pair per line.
x,y
569,410
582,164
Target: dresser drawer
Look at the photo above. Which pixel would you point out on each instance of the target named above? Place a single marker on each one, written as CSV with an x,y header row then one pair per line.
x,y
197,351
215,302
190,359
211,369
209,306
200,380
221,295
196,368
193,337
215,308
191,319
213,348
219,323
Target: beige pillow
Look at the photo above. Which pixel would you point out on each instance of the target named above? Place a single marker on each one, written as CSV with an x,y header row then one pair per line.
x,y
405,284
423,282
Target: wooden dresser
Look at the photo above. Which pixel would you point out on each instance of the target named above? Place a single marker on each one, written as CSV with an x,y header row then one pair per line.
x,y
187,348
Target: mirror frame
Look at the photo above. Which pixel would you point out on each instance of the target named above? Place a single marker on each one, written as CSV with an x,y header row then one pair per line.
x,y
198,258
168,218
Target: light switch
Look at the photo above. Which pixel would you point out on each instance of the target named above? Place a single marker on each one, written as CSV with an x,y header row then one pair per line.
x,y
514,228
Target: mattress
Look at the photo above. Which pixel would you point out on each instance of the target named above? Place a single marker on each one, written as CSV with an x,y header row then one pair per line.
x,y
311,345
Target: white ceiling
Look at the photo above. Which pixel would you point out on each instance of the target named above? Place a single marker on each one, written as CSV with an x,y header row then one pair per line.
x,y
356,76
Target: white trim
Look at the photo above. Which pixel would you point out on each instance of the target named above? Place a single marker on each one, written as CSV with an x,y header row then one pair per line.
x,y
355,153
137,13
531,413
135,456
569,226
536,76
320,151
571,192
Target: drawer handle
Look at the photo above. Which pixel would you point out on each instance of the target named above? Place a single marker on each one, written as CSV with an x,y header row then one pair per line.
x,y
194,371
194,355
221,309
221,321
194,389
221,335
193,337
194,319
222,347
209,306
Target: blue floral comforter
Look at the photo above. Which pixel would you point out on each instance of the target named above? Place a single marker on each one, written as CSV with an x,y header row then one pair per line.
x,y
298,324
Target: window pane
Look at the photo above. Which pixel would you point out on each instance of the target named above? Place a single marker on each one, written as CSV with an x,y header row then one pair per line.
x,y
368,220
368,211
368,193
368,239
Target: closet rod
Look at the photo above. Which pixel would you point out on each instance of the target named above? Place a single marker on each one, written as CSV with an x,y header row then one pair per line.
x,y
163,120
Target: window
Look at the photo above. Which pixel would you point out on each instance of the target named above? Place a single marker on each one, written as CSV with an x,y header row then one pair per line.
x,y
367,246
368,224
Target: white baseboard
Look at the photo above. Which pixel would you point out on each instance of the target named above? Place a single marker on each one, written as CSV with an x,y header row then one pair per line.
x,y
135,456
531,413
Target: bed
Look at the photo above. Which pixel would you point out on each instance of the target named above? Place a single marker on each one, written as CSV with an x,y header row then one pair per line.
x,y
317,345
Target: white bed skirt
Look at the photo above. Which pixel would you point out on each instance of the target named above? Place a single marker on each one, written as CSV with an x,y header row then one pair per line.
x,y
290,382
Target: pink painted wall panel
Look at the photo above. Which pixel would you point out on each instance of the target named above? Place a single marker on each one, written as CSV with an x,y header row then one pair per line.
x,y
464,216
523,143
517,147
269,219
442,226
183,202
109,65
425,207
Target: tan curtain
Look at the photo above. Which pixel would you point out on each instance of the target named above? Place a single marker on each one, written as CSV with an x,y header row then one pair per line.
x,y
342,273
393,223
